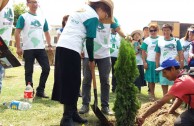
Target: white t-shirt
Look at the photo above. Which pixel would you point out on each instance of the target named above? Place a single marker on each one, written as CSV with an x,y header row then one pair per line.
x,y
80,24
33,27
185,45
168,48
102,40
115,40
149,45
6,22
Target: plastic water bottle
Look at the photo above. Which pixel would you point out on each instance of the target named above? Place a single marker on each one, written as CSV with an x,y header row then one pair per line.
x,y
17,105
28,93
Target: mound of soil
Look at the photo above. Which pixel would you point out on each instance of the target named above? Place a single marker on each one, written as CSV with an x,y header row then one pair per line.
x,y
159,118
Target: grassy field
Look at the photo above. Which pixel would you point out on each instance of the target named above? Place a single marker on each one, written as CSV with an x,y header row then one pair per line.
x,y
44,112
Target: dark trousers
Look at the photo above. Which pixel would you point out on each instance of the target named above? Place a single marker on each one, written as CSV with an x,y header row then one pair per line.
x,y
185,119
42,58
113,61
104,66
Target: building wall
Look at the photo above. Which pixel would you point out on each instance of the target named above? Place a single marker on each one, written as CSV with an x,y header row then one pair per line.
x,y
175,24
183,28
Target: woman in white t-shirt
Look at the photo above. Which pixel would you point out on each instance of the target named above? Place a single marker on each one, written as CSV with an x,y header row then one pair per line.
x,y
167,47
186,43
148,56
191,49
136,42
81,26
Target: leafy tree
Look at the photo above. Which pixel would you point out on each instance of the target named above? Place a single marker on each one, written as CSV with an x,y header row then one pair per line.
x,y
127,104
18,10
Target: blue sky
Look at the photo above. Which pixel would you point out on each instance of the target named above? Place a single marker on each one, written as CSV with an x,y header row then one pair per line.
x,y
132,15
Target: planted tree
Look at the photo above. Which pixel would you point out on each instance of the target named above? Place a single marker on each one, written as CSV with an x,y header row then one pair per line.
x,y
127,104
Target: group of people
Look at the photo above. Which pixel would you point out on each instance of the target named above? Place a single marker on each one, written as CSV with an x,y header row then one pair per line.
x,y
165,51
172,55
154,49
94,34
81,27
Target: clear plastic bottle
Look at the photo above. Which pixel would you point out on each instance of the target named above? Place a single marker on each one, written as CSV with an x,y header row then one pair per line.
x,y
17,105
28,93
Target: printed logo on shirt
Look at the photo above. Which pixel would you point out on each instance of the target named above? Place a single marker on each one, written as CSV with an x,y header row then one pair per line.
x,y
8,15
170,46
100,26
35,23
74,21
186,48
155,42
113,39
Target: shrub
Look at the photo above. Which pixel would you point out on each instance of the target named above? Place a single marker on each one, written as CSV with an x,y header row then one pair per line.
x,y
127,104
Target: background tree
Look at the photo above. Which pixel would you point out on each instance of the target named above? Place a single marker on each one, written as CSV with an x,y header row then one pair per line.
x,y
18,10
127,104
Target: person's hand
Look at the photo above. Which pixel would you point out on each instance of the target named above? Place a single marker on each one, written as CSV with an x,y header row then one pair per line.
x,y
145,65
19,51
50,48
140,121
174,113
163,112
168,112
92,65
129,38
82,54
181,64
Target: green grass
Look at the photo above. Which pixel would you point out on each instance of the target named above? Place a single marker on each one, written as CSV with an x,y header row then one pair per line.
x,y
44,112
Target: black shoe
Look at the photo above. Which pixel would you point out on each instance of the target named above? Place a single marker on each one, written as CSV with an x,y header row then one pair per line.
x,y
42,95
106,111
78,119
66,122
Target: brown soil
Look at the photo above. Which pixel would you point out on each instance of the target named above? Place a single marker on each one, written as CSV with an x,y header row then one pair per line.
x,y
159,118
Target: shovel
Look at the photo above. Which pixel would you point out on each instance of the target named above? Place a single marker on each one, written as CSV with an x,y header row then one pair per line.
x,y
94,107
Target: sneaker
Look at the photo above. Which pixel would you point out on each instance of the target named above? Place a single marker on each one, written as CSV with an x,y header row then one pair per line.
x,y
84,109
106,111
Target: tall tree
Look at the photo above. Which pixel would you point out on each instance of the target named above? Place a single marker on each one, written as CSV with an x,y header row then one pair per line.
x,y
18,10
127,104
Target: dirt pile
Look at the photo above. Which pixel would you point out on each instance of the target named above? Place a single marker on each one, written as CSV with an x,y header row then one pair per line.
x,y
159,118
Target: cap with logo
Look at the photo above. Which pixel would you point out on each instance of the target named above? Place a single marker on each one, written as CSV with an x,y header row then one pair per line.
x,y
170,62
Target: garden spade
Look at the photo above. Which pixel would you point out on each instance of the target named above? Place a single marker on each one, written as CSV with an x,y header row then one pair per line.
x,y
94,107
